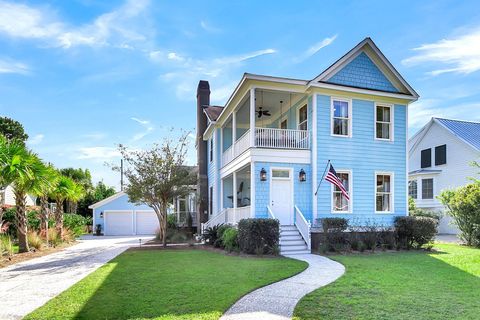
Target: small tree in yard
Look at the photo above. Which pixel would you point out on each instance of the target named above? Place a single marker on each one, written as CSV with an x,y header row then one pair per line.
x,y
157,176
463,204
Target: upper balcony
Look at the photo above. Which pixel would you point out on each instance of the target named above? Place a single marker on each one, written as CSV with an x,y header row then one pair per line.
x,y
277,120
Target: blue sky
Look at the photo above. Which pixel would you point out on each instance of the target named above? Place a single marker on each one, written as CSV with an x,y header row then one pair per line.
x,y
83,76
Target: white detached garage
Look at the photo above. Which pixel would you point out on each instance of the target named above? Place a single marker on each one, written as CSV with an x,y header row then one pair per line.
x,y
116,216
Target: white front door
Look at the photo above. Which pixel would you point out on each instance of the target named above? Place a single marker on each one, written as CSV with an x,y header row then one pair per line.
x,y
281,195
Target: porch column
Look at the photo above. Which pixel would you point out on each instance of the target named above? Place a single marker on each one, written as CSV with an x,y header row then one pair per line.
x,y
252,189
234,128
252,117
234,197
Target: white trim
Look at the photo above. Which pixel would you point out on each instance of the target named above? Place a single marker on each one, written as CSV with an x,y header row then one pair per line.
x,y
252,116
300,106
413,179
252,190
421,188
292,185
350,117
370,92
350,193
314,156
392,191
391,122
407,162
107,200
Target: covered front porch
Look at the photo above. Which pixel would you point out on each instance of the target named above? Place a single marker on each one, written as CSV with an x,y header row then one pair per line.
x,y
266,119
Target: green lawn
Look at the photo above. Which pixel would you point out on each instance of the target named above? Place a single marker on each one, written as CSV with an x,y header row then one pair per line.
x,y
401,285
176,284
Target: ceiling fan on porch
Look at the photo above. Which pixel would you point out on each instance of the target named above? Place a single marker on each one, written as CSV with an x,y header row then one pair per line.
x,y
260,112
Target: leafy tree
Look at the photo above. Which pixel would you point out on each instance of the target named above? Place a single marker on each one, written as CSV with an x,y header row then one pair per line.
x,y
12,129
463,204
81,177
43,193
157,176
64,189
100,192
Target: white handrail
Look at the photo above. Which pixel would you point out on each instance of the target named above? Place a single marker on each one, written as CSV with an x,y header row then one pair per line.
x,y
303,226
242,144
228,216
270,213
282,138
215,220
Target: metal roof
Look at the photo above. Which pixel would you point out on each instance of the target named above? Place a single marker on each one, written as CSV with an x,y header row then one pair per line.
x,y
468,131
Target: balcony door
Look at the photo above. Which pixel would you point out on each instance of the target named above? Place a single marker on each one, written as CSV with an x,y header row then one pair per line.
x,y
281,195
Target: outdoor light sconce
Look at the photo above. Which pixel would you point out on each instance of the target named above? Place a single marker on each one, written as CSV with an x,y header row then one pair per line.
x,y
101,214
263,175
302,176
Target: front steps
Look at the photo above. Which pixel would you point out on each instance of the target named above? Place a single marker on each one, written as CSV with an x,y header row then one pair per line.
x,y
291,241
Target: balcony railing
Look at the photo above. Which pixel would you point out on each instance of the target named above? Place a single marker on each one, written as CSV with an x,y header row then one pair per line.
x,y
228,216
281,138
268,138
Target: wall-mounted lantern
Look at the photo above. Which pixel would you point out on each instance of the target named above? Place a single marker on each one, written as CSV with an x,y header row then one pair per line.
x,y
263,175
302,176
101,214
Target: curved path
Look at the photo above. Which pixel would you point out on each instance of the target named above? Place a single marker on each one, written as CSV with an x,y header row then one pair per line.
x,y
278,300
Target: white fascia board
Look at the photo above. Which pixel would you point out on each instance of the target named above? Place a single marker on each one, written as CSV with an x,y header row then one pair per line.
x,y
107,200
332,86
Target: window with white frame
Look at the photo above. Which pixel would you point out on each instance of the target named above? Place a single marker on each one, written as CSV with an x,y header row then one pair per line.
x,y
341,118
383,122
427,188
339,201
302,118
383,192
412,189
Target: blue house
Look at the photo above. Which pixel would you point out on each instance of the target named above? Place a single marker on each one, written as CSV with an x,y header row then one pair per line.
x,y
264,152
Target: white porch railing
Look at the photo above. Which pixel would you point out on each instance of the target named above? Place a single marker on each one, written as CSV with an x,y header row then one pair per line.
x,y
227,155
303,226
227,216
270,213
242,144
282,138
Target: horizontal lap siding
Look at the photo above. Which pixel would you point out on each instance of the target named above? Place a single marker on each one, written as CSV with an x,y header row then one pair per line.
x,y
302,190
363,155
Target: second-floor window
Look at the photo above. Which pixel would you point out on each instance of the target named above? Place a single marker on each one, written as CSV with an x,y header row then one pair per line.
x,y
341,118
302,118
412,189
383,122
426,158
427,188
441,155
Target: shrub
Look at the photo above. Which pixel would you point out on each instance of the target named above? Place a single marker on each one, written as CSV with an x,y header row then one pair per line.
x,y
175,236
34,240
6,245
220,231
425,213
171,221
68,235
414,232
230,239
336,239
76,223
463,205
258,236
54,238
210,234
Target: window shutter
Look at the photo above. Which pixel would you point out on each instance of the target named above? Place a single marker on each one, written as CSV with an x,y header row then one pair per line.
x,y
426,158
441,155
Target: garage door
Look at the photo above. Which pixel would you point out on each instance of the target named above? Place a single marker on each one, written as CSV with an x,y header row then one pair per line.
x,y
119,223
147,222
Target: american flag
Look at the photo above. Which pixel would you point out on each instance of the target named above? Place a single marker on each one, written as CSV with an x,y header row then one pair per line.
x,y
333,179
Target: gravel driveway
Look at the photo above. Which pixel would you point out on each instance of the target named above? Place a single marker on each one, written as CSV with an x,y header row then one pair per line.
x,y
28,285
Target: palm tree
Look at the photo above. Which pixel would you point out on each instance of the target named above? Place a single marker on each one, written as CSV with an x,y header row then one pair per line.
x,y
77,194
63,190
25,171
43,193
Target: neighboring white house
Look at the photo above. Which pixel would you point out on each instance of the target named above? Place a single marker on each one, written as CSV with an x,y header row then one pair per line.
x,y
440,158
9,197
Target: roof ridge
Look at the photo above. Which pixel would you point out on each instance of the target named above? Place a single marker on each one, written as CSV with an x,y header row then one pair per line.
x,y
458,120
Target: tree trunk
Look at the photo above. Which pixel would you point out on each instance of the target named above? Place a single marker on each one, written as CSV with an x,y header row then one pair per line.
x,y
21,221
59,218
44,210
163,224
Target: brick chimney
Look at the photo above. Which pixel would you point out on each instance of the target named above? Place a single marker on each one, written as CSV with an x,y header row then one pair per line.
x,y
203,100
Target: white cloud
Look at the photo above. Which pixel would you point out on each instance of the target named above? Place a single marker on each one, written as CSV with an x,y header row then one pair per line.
x,y
184,71
146,125
98,153
10,66
209,28
36,139
459,54
315,48
115,28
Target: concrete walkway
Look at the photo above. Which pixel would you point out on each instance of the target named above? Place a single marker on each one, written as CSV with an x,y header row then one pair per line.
x,y
448,238
278,300
27,285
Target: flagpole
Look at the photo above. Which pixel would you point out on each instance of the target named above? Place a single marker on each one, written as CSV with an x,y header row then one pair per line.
x,y
323,176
